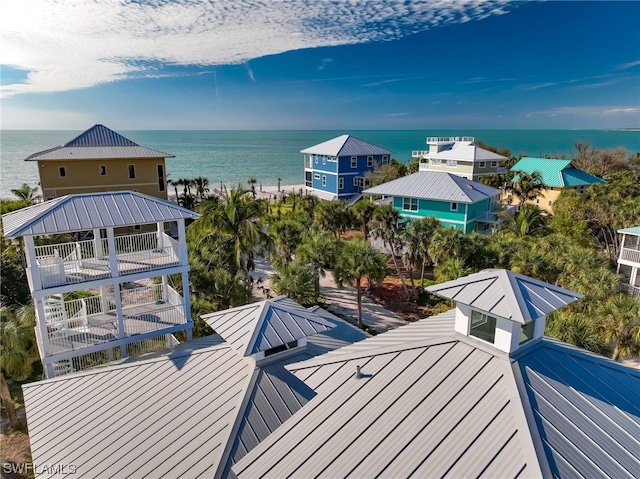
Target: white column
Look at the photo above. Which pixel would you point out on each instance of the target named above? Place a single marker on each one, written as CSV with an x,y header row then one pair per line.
x,y
32,263
187,302
41,324
113,254
160,234
182,243
119,312
97,243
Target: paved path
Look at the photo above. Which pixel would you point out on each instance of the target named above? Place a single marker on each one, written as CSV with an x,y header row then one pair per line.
x,y
341,301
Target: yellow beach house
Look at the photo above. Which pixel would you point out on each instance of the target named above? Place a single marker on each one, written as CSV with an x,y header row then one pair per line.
x,y
101,160
556,176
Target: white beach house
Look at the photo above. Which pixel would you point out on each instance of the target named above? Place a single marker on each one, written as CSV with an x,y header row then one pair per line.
x,y
100,294
629,259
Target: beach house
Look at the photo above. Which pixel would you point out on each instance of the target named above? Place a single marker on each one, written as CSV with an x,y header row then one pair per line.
x,y
629,259
459,156
450,198
336,168
101,160
282,391
556,175
107,296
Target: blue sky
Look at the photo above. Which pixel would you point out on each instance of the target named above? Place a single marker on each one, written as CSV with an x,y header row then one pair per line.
x,y
312,64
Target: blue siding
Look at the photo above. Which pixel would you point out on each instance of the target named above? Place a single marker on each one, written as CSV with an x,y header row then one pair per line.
x,y
344,170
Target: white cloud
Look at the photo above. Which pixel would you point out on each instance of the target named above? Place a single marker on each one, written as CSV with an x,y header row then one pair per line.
x,y
73,44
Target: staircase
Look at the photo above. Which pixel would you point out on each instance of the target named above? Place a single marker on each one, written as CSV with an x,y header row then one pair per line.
x,y
54,312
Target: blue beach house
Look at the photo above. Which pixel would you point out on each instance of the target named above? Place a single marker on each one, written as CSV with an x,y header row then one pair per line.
x,y
336,168
452,199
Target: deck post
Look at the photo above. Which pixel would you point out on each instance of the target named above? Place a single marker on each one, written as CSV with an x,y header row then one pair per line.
x,y
182,241
119,313
97,244
187,302
32,263
113,254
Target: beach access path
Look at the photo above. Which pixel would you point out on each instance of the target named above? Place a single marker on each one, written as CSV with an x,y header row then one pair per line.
x,y
340,301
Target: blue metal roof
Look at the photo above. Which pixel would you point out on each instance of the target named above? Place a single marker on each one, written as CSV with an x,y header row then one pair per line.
x,y
100,135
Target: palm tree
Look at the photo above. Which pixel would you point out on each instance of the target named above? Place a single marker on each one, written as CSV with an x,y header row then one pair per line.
x,y
26,193
202,186
287,235
575,328
252,184
358,260
363,214
319,250
17,354
331,216
450,269
527,187
297,281
418,238
529,220
175,184
446,243
279,180
388,225
235,222
619,324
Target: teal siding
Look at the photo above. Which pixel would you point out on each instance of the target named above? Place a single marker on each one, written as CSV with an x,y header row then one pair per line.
x,y
478,208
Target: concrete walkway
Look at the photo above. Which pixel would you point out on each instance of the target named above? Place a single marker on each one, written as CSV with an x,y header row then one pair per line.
x,y
340,301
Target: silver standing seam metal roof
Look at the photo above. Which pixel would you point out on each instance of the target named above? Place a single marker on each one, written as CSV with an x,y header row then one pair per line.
x,y
435,185
467,151
506,294
346,145
98,142
265,325
193,411
89,211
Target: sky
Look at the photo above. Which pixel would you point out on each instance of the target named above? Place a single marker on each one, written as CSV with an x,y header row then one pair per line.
x,y
319,64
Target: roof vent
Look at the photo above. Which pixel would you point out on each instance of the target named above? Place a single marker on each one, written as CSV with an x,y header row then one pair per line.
x,y
358,372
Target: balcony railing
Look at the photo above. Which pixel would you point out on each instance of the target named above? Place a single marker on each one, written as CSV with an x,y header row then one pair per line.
x,y
630,254
497,214
448,139
419,153
76,324
68,263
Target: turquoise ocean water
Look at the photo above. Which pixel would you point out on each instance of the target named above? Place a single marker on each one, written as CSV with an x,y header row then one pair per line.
x,y
232,157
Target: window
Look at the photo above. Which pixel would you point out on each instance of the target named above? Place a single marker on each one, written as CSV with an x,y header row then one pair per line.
x,y
452,163
436,162
354,161
281,348
355,181
482,326
132,172
160,177
550,202
62,171
483,164
537,201
369,160
454,206
137,228
526,332
324,180
316,176
385,160
103,170
410,204
340,183
324,160
315,158
494,164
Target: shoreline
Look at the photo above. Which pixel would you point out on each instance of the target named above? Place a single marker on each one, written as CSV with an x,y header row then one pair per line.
x,y
262,192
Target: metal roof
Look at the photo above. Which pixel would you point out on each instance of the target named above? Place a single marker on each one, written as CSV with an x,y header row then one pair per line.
x,y
98,142
506,294
586,409
435,185
346,145
555,172
422,409
466,151
87,211
265,325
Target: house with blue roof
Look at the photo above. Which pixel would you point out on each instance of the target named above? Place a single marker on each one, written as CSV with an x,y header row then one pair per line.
x,y
98,160
450,198
336,168
557,175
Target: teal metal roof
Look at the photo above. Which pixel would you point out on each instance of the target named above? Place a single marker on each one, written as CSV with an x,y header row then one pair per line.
x,y
556,172
630,231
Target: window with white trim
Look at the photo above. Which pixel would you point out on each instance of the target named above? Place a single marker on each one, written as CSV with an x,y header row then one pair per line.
x,y
315,159
369,160
385,160
494,164
483,164
452,163
454,206
354,162
132,171
340,183
482,326
316,176
324,180
410,204
103,170
62,171
355,181
526,332
436,162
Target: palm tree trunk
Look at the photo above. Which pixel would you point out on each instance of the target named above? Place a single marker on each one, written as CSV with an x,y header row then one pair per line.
x,y
422,273
395,262
359,296
616,352
5,395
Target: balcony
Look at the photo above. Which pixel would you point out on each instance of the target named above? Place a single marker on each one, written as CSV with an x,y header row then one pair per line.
x,y
497,214
419,153
632,255
77,262
74,325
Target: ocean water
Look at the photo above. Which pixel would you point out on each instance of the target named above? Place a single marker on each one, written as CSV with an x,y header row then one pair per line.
x,y
232,157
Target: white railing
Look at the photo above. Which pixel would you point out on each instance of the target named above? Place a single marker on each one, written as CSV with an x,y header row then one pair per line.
x,y
141,296
153,320
629,254
174,297
448,139
630,289
419,153
68,263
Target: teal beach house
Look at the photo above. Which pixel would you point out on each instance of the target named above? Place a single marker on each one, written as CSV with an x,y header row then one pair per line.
x,y
336,168
453,200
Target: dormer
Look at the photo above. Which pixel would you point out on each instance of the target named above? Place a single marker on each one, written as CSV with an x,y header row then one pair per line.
x,y
503,308
269,330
